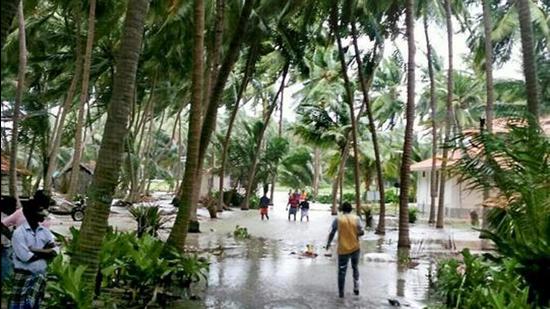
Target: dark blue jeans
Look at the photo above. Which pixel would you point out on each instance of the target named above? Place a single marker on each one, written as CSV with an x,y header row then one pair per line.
x,y
343,267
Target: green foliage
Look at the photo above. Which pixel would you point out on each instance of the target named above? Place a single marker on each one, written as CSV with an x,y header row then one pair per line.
x,y
149,219
324,199
241,232
139,266
413,214
391,196
254,202
479,283
349,197
66,285
516,165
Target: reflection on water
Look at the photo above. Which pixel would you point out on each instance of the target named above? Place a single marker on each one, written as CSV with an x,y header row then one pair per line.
x,y
269,271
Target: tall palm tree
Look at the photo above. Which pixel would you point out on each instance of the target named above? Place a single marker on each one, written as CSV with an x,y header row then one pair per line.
x,y
55,141
381,227
403,239
18,100
189,184
211,111
487,27
260,138
249,68
349,100
109,158
443,171
9,10
78,142
528,52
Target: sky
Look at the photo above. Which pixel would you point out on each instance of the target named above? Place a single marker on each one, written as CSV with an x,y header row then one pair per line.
x,y
438,39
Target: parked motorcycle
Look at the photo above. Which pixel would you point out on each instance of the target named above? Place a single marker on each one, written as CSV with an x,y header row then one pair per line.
x,y
77,213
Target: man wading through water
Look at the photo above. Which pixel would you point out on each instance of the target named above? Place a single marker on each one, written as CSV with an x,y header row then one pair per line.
x,y
349,229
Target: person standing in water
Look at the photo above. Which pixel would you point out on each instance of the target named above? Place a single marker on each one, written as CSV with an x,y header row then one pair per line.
x,y
264,206
349,229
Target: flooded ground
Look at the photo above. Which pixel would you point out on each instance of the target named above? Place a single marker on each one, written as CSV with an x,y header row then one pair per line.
x,y
269,271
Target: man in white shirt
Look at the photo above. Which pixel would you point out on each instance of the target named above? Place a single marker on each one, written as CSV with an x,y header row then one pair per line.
x,y
33,246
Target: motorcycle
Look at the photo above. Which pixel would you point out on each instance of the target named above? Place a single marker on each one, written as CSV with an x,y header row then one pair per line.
x,y
77,213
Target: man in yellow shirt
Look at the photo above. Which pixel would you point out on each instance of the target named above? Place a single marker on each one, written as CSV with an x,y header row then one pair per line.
x,y
349,229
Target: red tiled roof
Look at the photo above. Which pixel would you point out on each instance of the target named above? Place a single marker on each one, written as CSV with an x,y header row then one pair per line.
x,y
6,167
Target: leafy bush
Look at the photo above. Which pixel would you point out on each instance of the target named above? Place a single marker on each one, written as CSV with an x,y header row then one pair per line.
x,y
241,232
517,166
391,196
478,283
139,267
66,286
149,219
324,199
413,214
349,197
254,202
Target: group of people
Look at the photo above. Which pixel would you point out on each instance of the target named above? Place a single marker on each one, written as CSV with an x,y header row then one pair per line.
x,y
27,246
347,225
296,201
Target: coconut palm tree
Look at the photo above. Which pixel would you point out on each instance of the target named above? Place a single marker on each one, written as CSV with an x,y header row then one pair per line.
x,y
403,239
185,195
78,145
17,104
112,146
449,115
528,52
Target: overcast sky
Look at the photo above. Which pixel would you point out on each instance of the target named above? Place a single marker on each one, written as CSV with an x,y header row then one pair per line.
x,y
438,39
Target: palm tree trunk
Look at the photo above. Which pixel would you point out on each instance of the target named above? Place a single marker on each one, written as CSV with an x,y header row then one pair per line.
x,y
17,104
381,228
56,141
487,27
316,171
349,99
216,51
185,195
250,63
433,173
267,117
528,51
448,119
403,239
9,9
341,166
209,120
78,145
109,159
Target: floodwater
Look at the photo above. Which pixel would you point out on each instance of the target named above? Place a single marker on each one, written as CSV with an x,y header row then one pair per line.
x,y
270,271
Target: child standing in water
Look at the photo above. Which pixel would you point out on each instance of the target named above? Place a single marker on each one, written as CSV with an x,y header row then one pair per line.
x,y
264,205
304,205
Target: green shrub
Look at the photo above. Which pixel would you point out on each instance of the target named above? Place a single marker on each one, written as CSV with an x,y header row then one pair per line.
x,y
349,197
390,196
254,202
241,232
140,267
413,214
324,199
478,283
149,220
65,286
516,164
